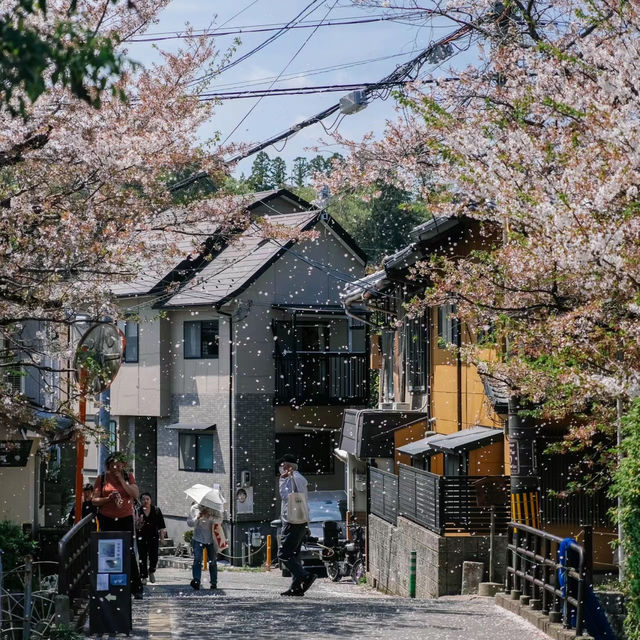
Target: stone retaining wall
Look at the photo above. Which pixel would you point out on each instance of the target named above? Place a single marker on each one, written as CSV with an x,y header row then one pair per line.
x,y
439,559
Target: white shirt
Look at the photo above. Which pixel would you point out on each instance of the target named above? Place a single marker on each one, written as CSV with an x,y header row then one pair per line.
x,y
287,487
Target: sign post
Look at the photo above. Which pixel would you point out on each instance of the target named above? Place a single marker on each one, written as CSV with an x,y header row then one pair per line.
x,y
110,598
97,361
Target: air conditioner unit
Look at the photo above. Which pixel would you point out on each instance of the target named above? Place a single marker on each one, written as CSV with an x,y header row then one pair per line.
x,y
401,406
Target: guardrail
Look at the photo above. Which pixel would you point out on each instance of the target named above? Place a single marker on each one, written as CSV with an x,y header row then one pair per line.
x,y
73,551
552,585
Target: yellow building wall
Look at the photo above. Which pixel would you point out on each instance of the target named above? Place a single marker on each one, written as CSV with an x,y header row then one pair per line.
x,y
487,461
404,436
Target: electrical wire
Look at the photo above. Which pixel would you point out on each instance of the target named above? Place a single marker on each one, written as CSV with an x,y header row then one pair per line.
x,y
215,33
311,72
295,55
312,6
289,91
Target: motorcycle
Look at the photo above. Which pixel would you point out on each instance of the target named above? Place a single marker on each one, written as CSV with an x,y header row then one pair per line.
x,y
343,558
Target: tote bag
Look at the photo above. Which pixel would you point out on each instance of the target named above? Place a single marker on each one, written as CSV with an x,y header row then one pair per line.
x,y
297,507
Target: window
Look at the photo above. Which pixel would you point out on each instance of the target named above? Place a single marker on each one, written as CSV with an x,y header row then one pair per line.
x,y
195,451
201,339
13,375
313,448
388,340
448,326
416,335
131,330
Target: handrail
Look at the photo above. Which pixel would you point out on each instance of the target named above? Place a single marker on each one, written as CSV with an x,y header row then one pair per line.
x,y
535,571
73,551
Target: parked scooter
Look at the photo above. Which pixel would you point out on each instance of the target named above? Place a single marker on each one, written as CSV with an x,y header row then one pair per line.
x,y
341,557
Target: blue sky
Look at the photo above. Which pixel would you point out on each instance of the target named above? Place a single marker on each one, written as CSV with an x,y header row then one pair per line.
x,y
328,46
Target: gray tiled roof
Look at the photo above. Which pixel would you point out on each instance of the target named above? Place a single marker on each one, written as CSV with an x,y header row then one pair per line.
x,y
151,271
236,265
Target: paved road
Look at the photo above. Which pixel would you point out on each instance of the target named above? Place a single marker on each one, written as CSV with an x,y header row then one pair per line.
x,y
248,605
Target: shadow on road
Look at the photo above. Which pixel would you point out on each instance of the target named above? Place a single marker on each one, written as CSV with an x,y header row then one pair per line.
x,y
265,615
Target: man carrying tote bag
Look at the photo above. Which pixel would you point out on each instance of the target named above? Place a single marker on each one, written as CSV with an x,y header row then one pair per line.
x,y
294,513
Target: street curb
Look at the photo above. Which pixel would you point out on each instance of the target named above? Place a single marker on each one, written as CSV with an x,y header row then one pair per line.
x,y
537,618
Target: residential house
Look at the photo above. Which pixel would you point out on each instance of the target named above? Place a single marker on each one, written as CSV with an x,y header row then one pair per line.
x,y
24,448
251,356
444,440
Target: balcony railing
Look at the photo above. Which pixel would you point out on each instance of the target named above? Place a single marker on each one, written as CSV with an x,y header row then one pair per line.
x,y
322,378
443,504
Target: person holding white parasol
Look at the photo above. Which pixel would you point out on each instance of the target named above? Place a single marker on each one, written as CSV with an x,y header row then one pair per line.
x,y
206,519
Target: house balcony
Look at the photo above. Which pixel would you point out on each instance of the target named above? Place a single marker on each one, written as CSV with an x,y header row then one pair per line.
x,y
327,378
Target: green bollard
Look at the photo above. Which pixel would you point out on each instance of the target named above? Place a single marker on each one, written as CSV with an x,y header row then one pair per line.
x,y
412,575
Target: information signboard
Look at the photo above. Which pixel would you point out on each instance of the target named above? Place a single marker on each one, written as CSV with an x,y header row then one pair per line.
x,y
15,453
110,602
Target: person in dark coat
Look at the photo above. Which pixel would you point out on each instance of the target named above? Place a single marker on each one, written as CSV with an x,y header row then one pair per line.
x,y
87,505
151,529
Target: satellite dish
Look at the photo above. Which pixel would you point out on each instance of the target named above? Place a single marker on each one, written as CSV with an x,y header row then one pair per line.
x,y
98,357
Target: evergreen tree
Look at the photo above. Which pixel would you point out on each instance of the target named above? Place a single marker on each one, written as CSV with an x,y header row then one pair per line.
x,y
260,178
300,172
380,226
278,172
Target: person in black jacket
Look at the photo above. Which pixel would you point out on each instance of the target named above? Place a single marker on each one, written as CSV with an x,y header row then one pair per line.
x,y
87,505
150,528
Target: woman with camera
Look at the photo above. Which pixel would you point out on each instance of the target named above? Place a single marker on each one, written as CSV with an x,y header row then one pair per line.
x,y
115,493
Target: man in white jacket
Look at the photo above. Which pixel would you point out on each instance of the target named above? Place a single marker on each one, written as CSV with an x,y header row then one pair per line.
x,y
291,480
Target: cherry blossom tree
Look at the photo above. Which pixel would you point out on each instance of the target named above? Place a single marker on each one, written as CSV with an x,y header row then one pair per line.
x,y
83,191
539,140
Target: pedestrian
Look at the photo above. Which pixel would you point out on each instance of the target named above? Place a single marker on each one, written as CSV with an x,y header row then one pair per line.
x,y
203,520
151,529
293,531
87,505
114,494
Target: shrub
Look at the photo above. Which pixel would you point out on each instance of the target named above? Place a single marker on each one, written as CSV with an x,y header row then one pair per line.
x,y
188,536
15,546
626,486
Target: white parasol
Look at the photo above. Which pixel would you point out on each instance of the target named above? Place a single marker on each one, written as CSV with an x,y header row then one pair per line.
x,y
206,496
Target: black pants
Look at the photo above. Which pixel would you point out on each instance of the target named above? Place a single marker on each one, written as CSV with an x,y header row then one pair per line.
x,y
148,551
124,524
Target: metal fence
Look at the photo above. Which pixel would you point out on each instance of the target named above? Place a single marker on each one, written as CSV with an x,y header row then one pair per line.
x,y
75,560
383,494
554,586
443,504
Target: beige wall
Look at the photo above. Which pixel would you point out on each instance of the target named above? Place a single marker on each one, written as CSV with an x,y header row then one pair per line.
x,y
202,375
17,486
138,389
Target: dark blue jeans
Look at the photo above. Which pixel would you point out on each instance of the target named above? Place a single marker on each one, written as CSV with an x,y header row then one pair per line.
x,y
290,543
197,561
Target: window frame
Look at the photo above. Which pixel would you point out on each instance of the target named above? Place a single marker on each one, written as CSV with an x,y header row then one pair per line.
x,y
448,326
130,322
200,323
196,435
417,344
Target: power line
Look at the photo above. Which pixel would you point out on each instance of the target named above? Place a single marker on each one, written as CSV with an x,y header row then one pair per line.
x,y
307,10
286,66
289,91
441,50
215,33
312,72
